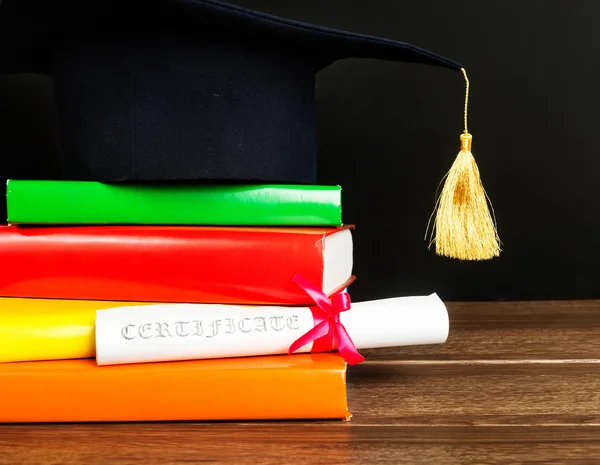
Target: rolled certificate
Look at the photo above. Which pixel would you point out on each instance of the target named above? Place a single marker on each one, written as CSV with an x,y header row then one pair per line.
x,y
168,332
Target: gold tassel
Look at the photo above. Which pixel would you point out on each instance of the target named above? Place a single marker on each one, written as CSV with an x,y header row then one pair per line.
x,y
464,227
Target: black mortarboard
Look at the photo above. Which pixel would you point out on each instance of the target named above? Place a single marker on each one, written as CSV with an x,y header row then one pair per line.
x,y
183,89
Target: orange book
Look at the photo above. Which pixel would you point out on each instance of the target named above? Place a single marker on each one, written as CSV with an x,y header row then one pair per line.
x,y
302,386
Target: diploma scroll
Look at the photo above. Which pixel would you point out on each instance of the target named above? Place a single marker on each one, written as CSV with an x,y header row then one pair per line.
x,y
169,332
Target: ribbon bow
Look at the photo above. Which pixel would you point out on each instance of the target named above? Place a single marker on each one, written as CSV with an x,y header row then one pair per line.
x,y
328,328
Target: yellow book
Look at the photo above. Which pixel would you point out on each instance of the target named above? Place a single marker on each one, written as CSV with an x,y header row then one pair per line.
x,y
49,329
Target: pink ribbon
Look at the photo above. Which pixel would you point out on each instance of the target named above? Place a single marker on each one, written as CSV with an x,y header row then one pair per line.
x,y
328,329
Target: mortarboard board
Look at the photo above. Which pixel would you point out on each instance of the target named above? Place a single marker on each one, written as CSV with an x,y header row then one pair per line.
x,y
208,91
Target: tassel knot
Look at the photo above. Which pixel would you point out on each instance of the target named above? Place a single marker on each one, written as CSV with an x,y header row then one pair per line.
x,y
466,140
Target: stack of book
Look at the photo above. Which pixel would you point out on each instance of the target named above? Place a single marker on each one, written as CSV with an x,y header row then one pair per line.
x,y
73,250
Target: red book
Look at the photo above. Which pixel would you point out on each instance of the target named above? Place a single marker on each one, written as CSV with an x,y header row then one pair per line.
x,y
195,264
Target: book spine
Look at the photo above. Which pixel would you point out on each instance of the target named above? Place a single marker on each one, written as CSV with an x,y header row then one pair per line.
x,y
289,387
83,202
49,329
160,264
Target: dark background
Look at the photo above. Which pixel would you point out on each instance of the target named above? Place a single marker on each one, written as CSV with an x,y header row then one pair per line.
x,y
388,132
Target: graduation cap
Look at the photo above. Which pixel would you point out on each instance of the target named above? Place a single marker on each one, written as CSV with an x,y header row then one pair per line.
x,y
208,91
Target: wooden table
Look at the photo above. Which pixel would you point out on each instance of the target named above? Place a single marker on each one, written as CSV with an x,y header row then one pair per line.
x,y
515,383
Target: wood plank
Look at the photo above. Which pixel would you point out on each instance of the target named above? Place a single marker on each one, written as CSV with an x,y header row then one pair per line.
x,y
545,330
401,393
291,443
516,382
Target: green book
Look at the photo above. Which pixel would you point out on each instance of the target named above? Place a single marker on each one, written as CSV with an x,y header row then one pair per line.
x,y
86,202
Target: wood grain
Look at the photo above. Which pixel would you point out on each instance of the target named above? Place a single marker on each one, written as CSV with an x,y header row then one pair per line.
x,y
297,444
558,330
517,382
482,394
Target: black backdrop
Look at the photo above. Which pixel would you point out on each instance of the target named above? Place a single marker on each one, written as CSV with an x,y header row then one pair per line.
x,y
389,131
